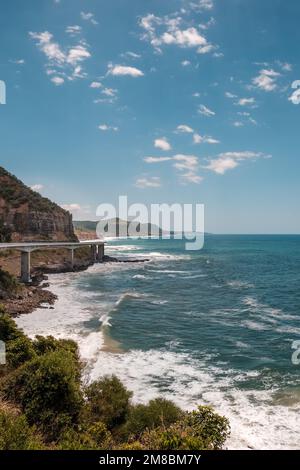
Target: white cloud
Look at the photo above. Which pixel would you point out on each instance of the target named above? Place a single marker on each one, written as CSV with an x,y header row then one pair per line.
x,y
109,92
162,143
202,5
73,207
57,80
88,16
132,55
295,96
185,63
150,182
157,159
121,70
105,127
73,30
187,165
230,160
230,95
96,85
61,61
168,30
266,80
205,111
18,61
206,139
37,187
183,128
246,101
238,124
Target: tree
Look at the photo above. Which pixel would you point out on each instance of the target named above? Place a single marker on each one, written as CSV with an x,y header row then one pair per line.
x,y
107,401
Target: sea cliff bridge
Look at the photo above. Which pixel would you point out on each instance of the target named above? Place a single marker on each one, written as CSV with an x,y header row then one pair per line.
x,y
97,252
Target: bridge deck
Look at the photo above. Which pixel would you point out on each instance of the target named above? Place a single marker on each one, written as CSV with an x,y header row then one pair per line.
x,y
30,246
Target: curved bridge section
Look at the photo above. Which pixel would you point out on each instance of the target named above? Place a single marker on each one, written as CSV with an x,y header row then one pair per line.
x,y
96,246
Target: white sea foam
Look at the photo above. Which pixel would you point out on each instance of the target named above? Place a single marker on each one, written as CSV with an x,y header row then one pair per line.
x,y
257,420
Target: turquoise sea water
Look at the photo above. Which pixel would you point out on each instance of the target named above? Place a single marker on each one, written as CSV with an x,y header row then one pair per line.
x,y
212,326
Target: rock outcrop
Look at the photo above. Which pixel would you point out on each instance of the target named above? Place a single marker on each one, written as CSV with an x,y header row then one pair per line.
x,y
27,216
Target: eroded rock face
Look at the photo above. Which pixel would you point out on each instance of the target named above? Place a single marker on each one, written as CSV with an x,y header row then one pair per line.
x,y
27,216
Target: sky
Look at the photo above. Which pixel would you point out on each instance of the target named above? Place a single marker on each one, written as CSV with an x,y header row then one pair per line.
x,y
165,101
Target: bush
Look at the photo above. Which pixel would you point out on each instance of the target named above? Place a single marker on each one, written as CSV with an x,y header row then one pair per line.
x,y
199,430
19,351
8,328
107,401
48,390
158,412
46,344
16,434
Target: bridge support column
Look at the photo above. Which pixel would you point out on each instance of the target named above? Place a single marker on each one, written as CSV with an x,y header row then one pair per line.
x,y
93,253
25,266
72,257
100,253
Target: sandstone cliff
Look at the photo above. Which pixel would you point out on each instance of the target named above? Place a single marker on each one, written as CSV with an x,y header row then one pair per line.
x,y
27,216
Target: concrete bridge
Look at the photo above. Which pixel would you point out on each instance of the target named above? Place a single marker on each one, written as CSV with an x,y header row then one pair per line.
x,y
97,252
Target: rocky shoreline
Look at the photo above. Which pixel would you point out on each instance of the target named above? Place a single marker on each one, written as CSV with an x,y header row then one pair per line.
x,y
35,295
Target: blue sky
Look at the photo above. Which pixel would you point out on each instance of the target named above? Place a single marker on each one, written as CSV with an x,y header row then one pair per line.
x,y
164,101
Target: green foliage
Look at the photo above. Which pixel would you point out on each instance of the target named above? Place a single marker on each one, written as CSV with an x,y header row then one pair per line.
x,y
48,390
19,351
8,283
213,428
42,380
16,434
199,430
5,233
8,328
158,412
107,401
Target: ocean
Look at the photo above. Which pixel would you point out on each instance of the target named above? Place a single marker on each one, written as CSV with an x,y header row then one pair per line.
x,y
214,326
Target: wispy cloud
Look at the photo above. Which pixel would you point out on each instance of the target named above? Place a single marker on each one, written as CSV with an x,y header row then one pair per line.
x,y
73,30
230,160
170,30
122,70
105,127
88,16
205,139
187,166
64,62
183,128
96,85
37,187
246,102
57,80
162,143
205,111
266,80
148,182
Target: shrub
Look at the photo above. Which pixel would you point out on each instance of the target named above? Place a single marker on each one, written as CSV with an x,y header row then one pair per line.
x,y
48,391
158,412
16,434
107,401
19,351
8,328
199,430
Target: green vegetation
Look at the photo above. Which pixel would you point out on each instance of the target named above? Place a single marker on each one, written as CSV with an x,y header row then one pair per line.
x,y
8,284
43,405
16,193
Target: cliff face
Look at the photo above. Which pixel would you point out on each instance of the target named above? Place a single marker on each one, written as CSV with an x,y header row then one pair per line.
x,y
27,216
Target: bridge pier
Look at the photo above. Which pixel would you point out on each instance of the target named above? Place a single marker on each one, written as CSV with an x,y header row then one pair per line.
x,y
72,258
100,253
93,253
25,266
